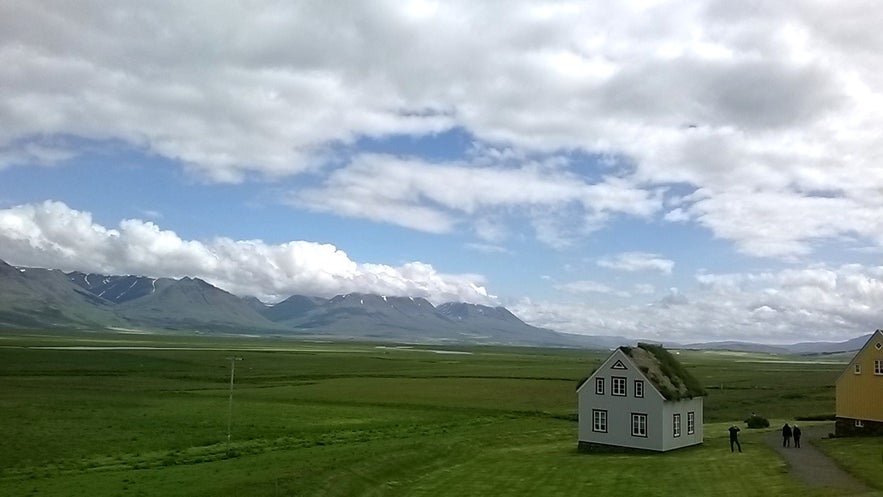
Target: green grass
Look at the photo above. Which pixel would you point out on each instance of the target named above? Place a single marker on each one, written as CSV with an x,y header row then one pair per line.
x,y
355,419
863,457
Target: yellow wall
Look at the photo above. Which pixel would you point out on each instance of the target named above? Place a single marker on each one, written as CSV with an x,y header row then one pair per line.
x,y
860,396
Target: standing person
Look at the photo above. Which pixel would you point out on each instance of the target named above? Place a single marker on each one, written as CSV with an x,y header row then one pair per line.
x,y
786,436
734,437
796,433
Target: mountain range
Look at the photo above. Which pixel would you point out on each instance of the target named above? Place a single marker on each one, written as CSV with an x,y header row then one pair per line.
x,y
48,298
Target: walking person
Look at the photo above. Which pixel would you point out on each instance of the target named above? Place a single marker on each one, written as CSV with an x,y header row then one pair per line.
x,y
734,438
786,436
795,431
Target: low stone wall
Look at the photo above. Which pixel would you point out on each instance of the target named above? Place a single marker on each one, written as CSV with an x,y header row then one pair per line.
x,y
596,448
845,427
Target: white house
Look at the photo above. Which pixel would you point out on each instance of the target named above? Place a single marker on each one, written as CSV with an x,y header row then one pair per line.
x,y
640,398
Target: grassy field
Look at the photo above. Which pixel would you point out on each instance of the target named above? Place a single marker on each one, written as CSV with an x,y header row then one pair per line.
x,y
360,419
863,457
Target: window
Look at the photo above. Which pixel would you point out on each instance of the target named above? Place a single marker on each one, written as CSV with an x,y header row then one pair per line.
x,y
858,368
878,345
878,366
599,386
639,388
618,386
859,424
639,425
691,422
676,425
599,420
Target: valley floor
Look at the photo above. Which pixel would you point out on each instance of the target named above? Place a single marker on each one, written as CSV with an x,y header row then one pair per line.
x,y
359,419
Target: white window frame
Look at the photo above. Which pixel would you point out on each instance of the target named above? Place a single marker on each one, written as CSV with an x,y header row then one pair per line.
x,y
599,421
858,368
639,425
676,425
859,423
878,366
639,388
619,386
691,422
599,386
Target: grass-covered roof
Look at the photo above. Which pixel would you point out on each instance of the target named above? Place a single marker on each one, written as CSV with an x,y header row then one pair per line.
x,y
668,375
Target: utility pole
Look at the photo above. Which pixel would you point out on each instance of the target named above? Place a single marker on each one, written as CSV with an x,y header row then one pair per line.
x,y
233,360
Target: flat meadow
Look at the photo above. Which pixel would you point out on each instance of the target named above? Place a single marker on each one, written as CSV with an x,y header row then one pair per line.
x,y
102,415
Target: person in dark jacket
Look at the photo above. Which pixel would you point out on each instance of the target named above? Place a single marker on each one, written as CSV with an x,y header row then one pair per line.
x,y
734,437
795,431
786,436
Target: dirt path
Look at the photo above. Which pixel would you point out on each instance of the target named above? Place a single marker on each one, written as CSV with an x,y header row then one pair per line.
x,y
814,468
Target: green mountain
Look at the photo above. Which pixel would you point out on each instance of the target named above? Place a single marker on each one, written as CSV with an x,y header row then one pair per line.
x,y
34,297
191,303
39,298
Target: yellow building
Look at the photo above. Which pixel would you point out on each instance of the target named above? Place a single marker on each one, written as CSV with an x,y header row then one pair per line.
x,y
860,391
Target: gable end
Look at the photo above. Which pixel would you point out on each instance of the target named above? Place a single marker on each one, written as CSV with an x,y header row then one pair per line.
x,y
874,340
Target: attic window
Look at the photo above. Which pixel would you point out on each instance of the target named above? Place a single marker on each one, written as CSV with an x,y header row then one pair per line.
x,y
858,368
878,346
618,365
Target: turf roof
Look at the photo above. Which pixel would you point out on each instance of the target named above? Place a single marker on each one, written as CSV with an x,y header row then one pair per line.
x,y
668,375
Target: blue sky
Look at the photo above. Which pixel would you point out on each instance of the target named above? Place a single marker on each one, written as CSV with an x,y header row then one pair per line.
x,y
692,171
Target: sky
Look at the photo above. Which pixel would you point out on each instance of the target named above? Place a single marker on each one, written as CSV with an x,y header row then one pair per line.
x,y
678,171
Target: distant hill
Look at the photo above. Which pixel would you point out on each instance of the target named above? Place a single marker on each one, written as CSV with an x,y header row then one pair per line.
x,y
34,297
359,315
830,347
803,348
737,347
116,289
191,303
41,298
291,309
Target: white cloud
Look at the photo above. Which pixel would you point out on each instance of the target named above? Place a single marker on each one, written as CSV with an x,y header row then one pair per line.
x,y
34,152
638,261
434,197
488,248
491,230
645,289
756,107
588,286
821,303
784,224
53,235
150,213
769,113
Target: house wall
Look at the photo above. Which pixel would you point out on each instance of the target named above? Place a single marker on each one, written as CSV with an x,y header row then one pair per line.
x,y
860,396
683,407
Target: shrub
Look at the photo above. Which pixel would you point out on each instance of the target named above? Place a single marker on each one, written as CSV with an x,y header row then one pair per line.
x,y
755,421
